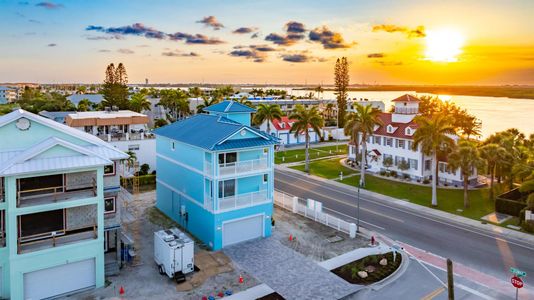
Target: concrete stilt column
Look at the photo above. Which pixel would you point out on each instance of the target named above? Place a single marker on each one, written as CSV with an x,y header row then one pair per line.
x,y
352,230
295,206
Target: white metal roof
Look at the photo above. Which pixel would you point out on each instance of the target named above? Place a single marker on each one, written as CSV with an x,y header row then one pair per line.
x,y
54,164
105,114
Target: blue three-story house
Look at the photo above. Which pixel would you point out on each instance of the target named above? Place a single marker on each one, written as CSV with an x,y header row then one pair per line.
x,y
215,175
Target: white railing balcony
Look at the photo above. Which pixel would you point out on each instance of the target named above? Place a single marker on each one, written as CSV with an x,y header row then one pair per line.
x,y
243,167
242,200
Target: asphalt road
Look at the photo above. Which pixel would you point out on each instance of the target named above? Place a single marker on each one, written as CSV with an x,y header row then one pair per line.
x,y
482,250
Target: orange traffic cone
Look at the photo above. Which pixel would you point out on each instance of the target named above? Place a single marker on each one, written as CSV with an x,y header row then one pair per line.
x,y
241,279
121,291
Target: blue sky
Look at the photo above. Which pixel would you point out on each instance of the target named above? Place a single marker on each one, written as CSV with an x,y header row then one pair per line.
x,y
47,41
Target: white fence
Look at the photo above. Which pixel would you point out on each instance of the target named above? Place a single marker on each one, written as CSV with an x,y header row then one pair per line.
x,y
298,205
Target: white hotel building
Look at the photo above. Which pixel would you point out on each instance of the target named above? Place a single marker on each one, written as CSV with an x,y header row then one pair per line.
x,y
395,139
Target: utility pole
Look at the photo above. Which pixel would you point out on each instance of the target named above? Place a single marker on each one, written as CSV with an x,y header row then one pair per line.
x,y
358,210
450,279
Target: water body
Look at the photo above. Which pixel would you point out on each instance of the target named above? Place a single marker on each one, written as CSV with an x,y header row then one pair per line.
x,y
496,113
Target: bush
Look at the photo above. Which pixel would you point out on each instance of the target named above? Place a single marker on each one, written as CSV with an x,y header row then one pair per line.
x,y
143,170
383,173
509,207
406,176
426,181
528,226
394,174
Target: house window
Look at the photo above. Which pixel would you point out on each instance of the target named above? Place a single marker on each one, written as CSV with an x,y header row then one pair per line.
x,y
378,140
265,178
133,147
428,165
227,188
400,144
227,158
413,163
110,205
109,170
389,142
173,146
410,145
398,159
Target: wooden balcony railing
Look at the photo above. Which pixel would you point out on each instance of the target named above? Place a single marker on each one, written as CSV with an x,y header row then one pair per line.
x,y
56,193
41,241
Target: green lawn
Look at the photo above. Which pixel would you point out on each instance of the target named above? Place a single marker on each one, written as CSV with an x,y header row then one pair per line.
x,y
327,168
448,200
297,155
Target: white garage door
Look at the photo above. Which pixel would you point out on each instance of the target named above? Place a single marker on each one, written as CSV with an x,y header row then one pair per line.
x,y
242,230
59,280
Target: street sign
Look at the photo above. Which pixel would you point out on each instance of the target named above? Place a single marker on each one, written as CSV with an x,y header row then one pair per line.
x,y
517,272
517,282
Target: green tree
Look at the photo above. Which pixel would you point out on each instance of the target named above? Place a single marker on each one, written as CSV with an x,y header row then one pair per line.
x,y
465,157
361,124
160,123
494,155
115,89
319,90
244,100
433,133
342,79
195,92
387,162
139,103
176,102
207,102
85,105
403,165
305,119
267,112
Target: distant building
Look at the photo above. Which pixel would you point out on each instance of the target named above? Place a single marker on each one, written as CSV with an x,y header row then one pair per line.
x,y
281,129
216,175
58,116
394,140
7,94
124,129
59,208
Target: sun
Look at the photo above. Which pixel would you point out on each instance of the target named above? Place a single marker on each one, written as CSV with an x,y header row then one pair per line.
x,y
443,45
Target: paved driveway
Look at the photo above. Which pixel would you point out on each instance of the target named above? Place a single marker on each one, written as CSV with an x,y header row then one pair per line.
x,y
287,272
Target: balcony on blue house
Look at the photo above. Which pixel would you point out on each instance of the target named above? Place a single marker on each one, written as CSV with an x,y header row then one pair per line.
x,y
233,163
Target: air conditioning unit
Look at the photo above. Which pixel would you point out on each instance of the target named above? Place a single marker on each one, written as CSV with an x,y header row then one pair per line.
x,y
174,253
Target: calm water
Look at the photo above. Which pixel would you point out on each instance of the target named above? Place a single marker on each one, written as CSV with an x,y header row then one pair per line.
x,y
496,113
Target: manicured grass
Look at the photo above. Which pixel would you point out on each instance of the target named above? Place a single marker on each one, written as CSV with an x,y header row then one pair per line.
x,y
327,168
449,200
297,155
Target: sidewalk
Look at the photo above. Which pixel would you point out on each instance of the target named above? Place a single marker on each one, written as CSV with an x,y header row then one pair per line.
x,y
426,211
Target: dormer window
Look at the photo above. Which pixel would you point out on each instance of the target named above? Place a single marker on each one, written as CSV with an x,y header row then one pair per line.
x,y
283,125
409,131
390,129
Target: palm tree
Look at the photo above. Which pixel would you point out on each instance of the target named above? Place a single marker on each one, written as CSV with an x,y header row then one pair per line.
x,y
329,110
244,100
319,90
494,154
139,103
465,157
306,118
432,134
267,112
195,92
84,105
176,101
207,102
362,123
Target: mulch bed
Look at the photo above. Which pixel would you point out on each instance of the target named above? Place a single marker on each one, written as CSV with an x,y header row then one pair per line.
x,y
376,272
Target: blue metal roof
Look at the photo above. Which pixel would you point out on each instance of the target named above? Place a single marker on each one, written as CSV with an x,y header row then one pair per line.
x,y
229,106
207,131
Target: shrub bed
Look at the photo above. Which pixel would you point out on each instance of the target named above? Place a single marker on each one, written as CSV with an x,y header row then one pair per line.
x,y
375,270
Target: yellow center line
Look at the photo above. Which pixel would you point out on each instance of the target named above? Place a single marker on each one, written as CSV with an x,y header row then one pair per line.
x,y
433,294
345,203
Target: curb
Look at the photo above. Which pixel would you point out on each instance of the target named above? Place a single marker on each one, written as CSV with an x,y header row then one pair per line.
x,y
427,211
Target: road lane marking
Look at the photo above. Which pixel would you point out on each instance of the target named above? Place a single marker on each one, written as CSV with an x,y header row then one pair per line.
x,y
433,294
345,203
399,209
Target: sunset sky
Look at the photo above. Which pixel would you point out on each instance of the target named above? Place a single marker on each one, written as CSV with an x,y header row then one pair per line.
x,y
386,42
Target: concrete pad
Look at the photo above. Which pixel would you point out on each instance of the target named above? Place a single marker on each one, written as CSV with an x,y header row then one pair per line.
x,y
252,293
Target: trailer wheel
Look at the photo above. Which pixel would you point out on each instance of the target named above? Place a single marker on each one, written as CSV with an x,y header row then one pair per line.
x,y
161,270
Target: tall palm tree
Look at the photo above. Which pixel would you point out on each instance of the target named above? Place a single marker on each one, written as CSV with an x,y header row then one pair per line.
x,y
139,102
433,133
175,101
494,154
329,110
244,100
267,113
207,102
465,157
305,119
195,92
362,124
84,105
319,90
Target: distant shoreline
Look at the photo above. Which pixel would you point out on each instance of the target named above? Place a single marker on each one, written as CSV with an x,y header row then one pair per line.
x,y
515,92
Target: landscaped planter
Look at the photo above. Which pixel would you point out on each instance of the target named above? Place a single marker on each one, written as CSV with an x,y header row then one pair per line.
x,y
352,272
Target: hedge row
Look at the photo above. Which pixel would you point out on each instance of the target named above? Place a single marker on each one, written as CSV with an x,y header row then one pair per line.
x,y
145,179
509,207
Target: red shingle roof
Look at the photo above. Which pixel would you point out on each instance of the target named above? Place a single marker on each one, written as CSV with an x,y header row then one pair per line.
x,y
406,98
400,132
286,123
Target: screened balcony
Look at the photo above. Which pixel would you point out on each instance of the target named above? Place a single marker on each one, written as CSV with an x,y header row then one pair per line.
x,y
56,228
55,188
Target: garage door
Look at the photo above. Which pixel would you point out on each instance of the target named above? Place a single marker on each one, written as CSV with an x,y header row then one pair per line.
x,y
242,230
66,279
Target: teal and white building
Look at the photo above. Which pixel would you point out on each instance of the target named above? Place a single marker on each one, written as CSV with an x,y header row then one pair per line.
x,y
59,212
215,175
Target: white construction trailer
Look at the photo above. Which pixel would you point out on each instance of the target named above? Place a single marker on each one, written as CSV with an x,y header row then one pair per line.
x,y
174,253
